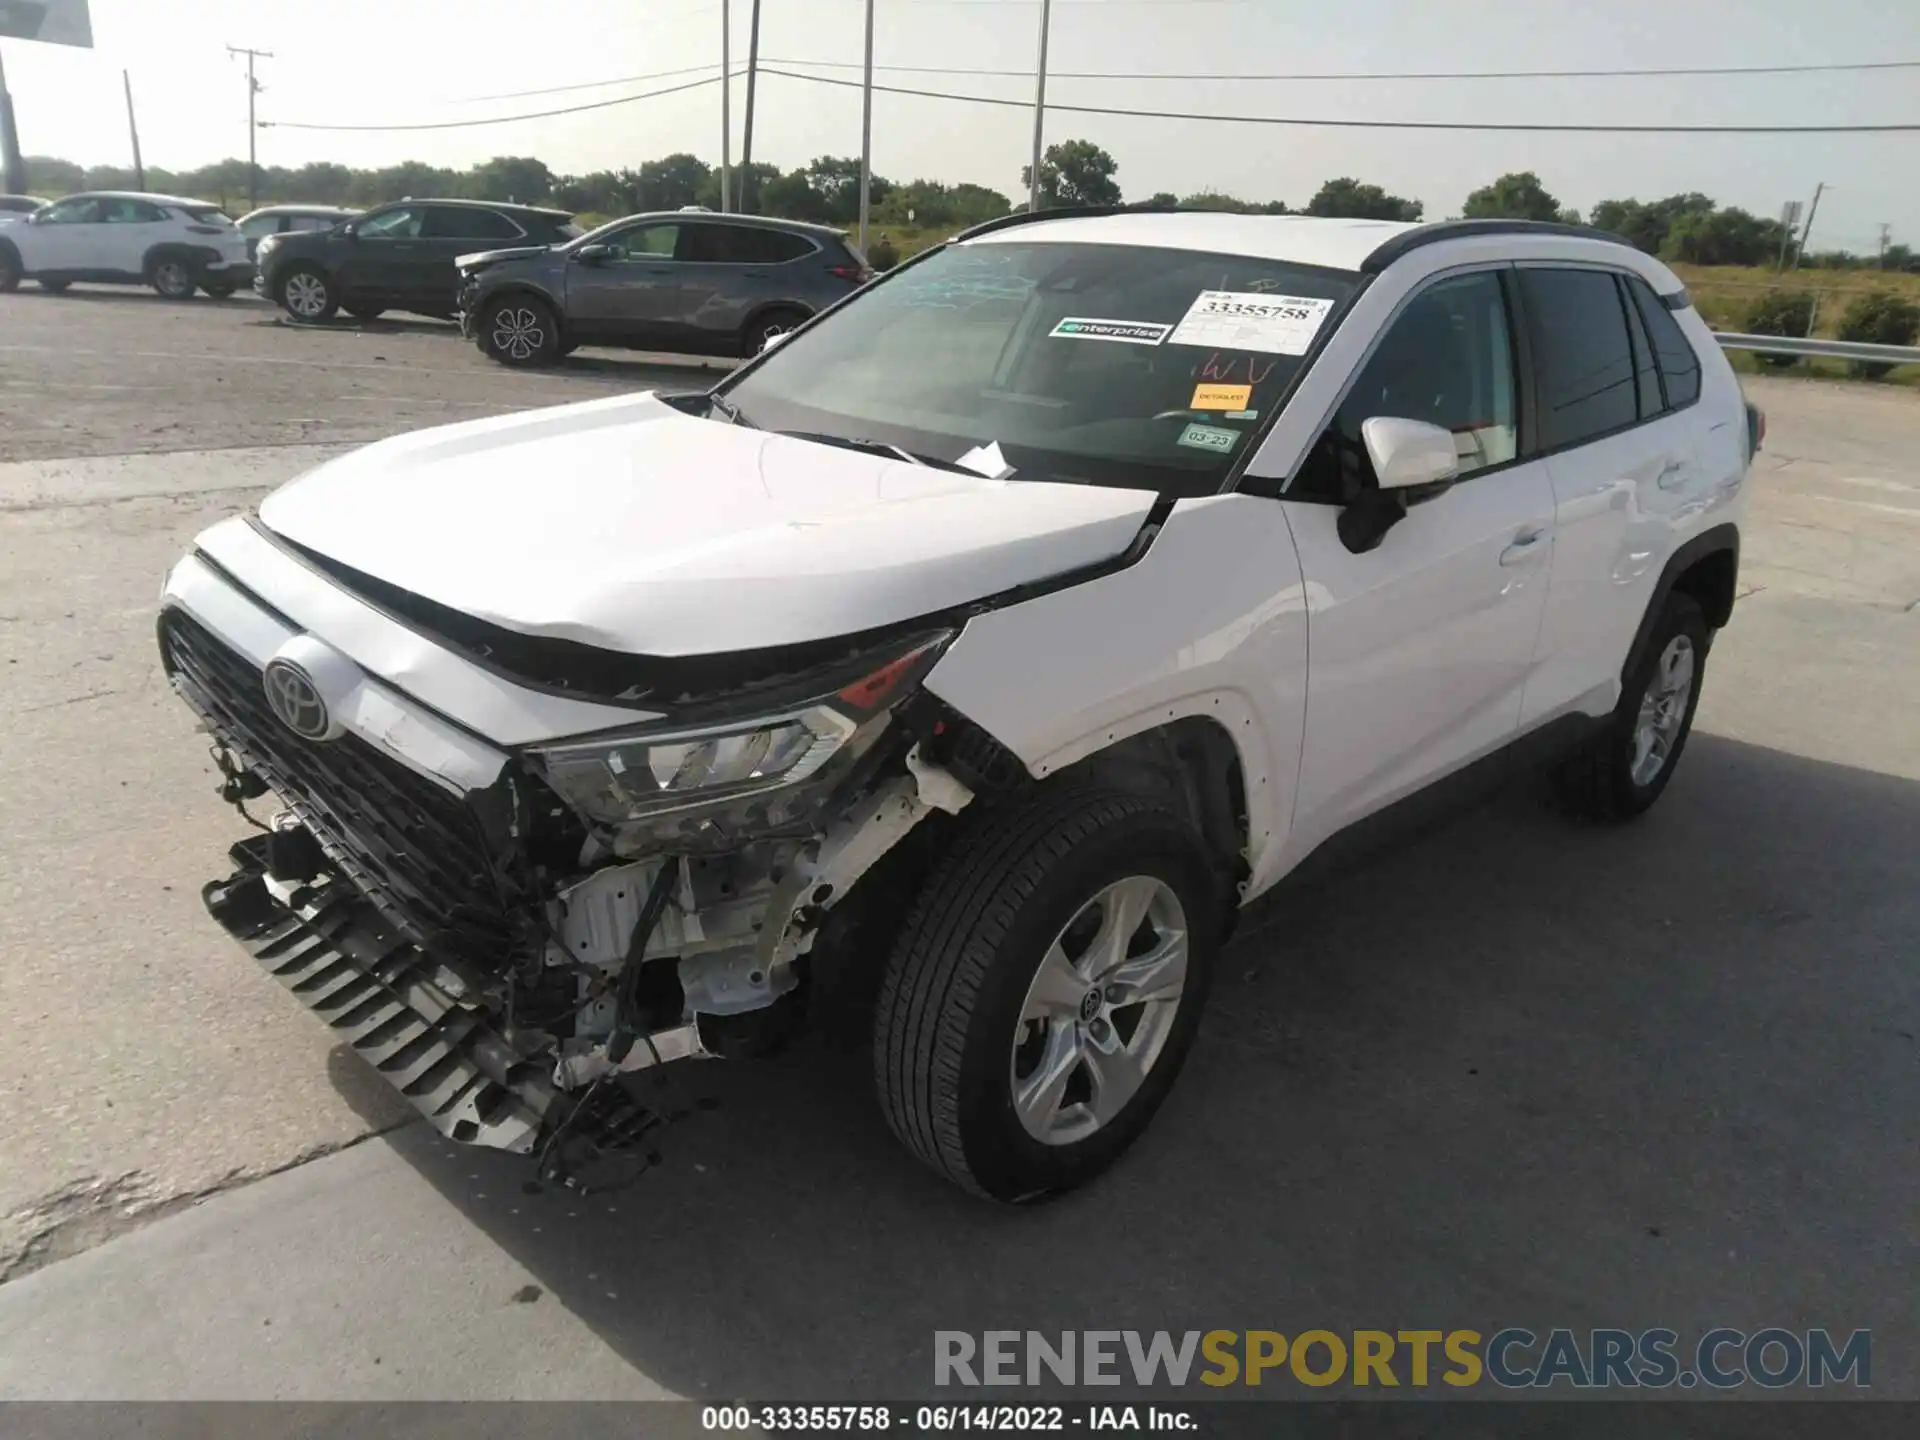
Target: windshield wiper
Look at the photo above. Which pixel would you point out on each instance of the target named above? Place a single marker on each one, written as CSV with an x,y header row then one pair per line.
x,y
728,411
878,447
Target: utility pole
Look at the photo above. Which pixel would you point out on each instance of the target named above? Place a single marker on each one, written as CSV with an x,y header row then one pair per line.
x,y
726,106
1789,222
133,133
253,130
1039,108
747,199
866,134
1886,233
13,170
1812,210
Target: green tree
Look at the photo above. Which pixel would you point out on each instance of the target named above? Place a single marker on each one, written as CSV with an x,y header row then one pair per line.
x,y
1159,200
1348,199
49,177
1075,173
1215,200
1644,225
519,178
1723,237
1879,318
1515,196
1781,312
675,180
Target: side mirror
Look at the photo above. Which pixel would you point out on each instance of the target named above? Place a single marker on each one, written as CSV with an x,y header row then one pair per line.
x,y
593,254
1413,461
1410,454
350,230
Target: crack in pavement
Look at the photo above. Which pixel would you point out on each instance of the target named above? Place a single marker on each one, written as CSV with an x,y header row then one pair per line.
x,y
91,1211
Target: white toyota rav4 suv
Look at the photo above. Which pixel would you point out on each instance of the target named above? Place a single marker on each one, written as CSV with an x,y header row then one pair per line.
x,y
111,238
955,670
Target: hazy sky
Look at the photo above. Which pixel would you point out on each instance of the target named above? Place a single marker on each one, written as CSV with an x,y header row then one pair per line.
x,y
396,61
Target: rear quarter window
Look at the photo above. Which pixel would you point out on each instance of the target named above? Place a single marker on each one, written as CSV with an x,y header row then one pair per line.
x,y
1672,351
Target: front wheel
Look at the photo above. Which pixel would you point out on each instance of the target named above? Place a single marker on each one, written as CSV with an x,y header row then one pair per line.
x,y
306,294
1043,992
1626,767
172,278
519,330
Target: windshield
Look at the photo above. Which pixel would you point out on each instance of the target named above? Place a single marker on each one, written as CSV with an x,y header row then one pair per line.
x,y
1102,364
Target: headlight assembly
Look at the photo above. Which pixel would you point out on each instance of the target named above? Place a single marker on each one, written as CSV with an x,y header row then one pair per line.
x,y
619,779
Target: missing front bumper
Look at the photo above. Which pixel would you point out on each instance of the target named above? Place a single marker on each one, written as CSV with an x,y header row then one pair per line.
x,y
471,1076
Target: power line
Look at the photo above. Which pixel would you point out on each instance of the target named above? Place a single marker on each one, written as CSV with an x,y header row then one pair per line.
x,y
1304,121
589,84
1682,70
509,119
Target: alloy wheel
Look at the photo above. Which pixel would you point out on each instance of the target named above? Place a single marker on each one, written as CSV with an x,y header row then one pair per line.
x,y
306,295
518,333
1099,1010
1663,710
171,279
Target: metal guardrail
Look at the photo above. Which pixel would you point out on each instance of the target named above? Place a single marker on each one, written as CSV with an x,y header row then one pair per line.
x,y
1830,349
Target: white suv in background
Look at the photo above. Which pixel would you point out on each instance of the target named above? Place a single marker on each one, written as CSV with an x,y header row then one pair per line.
x,y
958,668
118,238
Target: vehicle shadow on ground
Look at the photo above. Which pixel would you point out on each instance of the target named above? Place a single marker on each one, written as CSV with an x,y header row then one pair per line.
x,y
1518,1072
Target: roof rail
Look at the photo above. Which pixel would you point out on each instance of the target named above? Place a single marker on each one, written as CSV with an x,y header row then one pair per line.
x,y
1389,251
1076,212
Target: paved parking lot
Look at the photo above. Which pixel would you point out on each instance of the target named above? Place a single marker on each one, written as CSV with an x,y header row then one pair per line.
x,y
1518,1072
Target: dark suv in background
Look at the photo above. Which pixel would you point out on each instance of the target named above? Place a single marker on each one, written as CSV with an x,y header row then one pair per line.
x,y
690,282
396,257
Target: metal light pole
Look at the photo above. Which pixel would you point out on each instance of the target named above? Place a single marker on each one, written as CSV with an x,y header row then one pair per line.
x,y
133,133
1039,108
13,170
866,133
726,106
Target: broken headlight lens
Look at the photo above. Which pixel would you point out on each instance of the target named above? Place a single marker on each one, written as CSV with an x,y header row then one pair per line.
x,y
617,779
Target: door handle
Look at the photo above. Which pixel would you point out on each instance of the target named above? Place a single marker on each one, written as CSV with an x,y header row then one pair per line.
x,y
1525,544
1671,475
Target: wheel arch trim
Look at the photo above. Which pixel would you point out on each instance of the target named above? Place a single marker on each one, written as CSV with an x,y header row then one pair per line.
x,y
1719,540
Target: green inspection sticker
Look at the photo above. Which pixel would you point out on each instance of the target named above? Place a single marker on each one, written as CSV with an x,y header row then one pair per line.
x,y
1209,437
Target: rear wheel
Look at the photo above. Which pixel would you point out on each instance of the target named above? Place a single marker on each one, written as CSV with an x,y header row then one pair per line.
x,y
54,287
306,294
519,330
1044,991
172,278
767,328
1626,767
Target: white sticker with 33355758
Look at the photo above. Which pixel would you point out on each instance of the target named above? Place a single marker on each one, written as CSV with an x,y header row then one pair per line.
x,y
1243,320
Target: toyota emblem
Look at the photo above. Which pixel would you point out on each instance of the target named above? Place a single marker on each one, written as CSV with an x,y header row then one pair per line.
x,y
296,700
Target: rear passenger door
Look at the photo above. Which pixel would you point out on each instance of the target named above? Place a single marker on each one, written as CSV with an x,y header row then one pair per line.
x,y
1615,380
131,228
451,231
1419,649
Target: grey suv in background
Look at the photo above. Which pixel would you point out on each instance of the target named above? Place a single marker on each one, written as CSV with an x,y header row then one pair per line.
x,y
690,282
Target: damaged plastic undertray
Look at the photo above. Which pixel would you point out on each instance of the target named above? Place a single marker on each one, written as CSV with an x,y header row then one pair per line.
x,y
341,959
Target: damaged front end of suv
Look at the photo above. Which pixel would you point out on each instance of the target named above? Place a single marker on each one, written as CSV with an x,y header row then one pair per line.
x,y
601,905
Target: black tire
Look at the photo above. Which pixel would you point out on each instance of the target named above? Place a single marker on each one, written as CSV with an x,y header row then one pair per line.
x,y
948,1017
219,292
172,277
306,293
765,326
1601,782
365,312
9,270
519,330
54,287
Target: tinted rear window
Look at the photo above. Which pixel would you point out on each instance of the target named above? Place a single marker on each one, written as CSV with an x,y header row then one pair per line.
x,y
1581,354
1679,365
457,222
740,245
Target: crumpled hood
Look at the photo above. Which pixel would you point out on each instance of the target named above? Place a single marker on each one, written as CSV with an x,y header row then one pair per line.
x,y
628,525
480,258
